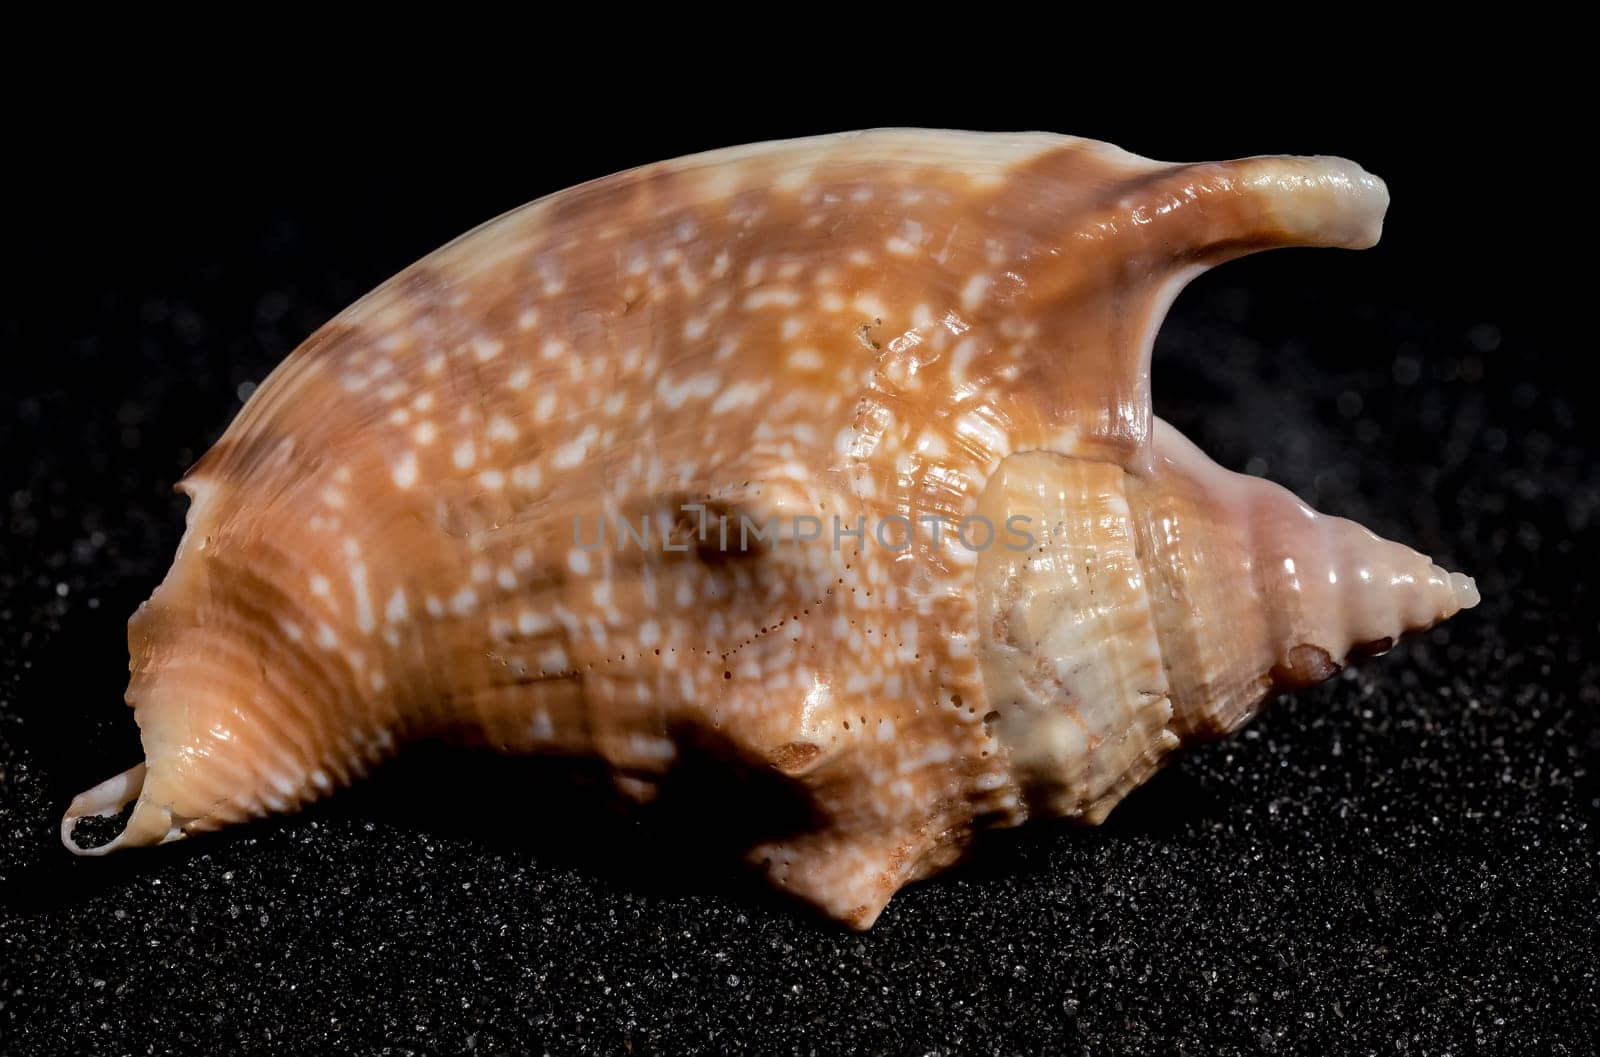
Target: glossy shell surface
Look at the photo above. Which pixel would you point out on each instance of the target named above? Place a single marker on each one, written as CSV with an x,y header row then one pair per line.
x,y
692,463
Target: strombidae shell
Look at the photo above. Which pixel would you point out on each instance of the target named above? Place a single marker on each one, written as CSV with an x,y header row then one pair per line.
x,y
870,335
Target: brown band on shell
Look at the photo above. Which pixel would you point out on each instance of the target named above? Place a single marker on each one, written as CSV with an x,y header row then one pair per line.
x,y
1305,665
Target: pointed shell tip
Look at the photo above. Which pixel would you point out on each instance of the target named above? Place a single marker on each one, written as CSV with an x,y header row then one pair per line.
x,y
1466,589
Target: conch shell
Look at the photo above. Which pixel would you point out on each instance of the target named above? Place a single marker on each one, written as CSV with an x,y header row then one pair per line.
x,y
703,454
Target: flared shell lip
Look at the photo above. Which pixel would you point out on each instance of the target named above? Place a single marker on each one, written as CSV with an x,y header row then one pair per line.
x,y
106,800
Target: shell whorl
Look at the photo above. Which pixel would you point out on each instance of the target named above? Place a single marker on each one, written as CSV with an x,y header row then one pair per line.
x,y
1258,593
389,542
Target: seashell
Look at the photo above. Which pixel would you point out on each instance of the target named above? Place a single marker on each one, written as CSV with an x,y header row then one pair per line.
x,y
508,497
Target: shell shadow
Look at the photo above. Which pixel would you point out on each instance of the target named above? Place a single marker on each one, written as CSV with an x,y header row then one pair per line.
x,y
566,812
1165,808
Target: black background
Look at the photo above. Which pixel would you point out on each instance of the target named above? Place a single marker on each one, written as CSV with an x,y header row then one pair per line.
x,y
1400,861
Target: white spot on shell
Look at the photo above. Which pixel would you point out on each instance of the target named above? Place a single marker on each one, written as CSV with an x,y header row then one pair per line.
x,y
781,296
675,396
573,452
501,429
358,584
395,611
805,359
974,292
741,394
871,306
405,470
960,357
527,476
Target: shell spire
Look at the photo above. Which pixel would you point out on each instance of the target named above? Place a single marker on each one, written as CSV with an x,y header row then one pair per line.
x,y
1256,592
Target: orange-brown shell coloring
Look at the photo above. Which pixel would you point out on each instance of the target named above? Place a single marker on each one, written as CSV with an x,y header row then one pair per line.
x,y
509,497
